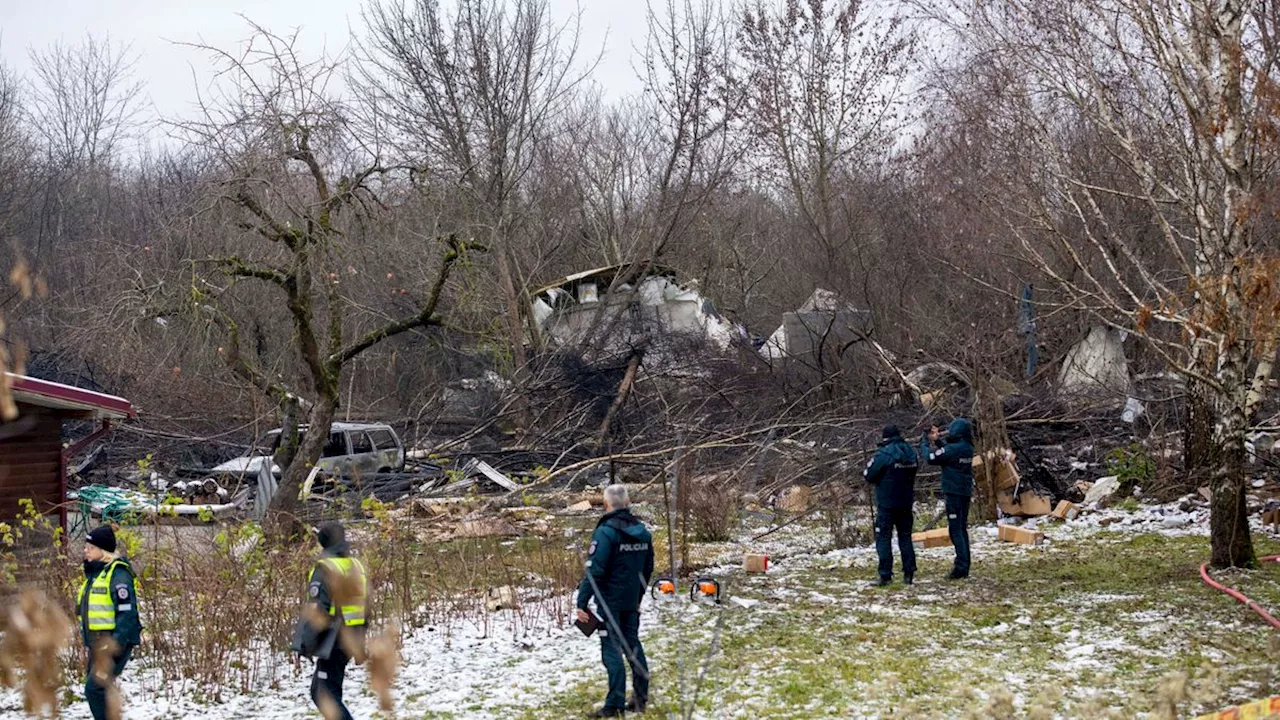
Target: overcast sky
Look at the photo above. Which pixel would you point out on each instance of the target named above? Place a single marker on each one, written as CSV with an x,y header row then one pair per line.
x,y
152,27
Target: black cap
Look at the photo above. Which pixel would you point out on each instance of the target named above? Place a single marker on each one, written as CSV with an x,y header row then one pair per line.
x,y
103,538
330,534
890,431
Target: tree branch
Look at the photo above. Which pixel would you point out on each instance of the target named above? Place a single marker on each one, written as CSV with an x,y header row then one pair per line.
x,y
425,316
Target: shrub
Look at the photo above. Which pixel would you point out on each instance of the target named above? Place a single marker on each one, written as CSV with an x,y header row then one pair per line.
x,y
712,504
1133,466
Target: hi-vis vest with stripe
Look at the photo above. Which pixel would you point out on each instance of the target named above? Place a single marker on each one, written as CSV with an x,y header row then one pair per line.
x,y
101,613
353,614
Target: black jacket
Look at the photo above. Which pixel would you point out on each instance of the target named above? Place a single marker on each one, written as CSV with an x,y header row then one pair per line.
x,y
619,564
124,595
893,472
955,457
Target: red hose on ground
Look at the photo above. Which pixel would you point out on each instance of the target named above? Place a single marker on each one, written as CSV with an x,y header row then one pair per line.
x,y
1204,575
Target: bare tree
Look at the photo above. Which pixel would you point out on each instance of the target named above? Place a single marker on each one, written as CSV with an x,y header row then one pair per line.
x,y
470,97
15,148
1168,91
825,81
299,188
84,100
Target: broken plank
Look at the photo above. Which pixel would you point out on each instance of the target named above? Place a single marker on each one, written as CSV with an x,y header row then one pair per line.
x,y
492,473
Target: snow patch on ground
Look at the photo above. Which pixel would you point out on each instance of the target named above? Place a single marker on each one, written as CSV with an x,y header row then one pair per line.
x,y
463,672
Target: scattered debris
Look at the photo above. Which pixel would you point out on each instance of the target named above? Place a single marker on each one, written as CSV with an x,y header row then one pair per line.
x,y
793,499
933,381
526,514
484,468
628,305
1013,497
823,321
1022,536
581,507
931,538
486,527
501,598
755,563
1096,367
1066,510
1133,409
1102,488
1028,503
1271,516
439,507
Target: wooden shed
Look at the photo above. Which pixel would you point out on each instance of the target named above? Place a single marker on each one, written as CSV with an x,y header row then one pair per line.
x,y
33,462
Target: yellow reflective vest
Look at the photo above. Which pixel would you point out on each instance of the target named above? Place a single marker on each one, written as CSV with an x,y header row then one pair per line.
x,y
101,612
353,614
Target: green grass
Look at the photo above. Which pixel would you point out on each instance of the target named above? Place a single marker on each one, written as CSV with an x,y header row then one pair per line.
x,y
823,643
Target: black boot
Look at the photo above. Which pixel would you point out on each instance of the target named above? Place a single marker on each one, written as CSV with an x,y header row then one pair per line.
x,y
884,581
607,712
907,579
634,707
957,575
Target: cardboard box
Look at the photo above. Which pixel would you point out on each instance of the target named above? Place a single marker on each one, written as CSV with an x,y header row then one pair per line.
x,y
1022,536
931,538
1066,510
793,499
1006,473
584,506
1029,503
754,563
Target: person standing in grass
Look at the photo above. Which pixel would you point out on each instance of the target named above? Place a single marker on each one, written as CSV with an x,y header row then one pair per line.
x,y
619,565
332,629
955,457
107,607
893,471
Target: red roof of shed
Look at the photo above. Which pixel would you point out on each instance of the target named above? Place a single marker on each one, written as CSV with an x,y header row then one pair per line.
x,y
42,393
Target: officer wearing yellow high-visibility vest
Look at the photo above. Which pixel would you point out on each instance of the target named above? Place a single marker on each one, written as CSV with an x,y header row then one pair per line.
x,y
338,588
107,606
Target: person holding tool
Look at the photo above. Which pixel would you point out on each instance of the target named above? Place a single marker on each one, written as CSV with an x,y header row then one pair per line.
x,y
893,471
955,457
619,565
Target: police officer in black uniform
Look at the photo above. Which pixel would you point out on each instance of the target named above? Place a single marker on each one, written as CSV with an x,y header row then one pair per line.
x,y
893,472
954,455
107,606
619,566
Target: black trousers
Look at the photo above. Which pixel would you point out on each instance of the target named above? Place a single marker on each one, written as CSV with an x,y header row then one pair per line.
x,y
613,652
887,521
958,529
327,682
95,693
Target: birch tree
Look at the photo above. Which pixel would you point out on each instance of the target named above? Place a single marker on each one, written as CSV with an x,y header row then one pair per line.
x,y
1170,91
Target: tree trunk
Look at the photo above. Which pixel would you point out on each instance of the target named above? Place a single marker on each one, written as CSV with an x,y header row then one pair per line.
x,y
282,514
1199,449
288,449
515,330
1229,519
